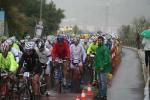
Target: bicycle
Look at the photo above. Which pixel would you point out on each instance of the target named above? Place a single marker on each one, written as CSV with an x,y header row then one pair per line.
x,y
43,82
58,75
76,76
24,86
6,85
89,70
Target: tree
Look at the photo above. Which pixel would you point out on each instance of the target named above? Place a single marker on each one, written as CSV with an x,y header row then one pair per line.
x,y
132,31
138,26
52,17
22,15
75,29
124,31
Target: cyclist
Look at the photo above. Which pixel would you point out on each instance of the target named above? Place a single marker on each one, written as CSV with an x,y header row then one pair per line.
x,y
78,56
92,47
61,50
8,63
13,50
7,60
91,51
44,58
31,61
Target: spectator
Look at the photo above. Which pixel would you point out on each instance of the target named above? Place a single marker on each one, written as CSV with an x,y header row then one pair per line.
x,y
102,65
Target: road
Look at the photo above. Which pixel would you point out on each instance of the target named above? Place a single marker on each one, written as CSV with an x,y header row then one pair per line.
x,y
128,83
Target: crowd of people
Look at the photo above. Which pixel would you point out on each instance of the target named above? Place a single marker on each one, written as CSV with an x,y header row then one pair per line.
x,y
35,54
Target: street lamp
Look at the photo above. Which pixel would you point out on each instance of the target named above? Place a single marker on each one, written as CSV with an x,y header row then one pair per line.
x,y
39,26
41,6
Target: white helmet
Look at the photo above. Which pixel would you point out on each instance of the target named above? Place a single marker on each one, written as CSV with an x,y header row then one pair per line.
x,y
29,45
94,38
9,41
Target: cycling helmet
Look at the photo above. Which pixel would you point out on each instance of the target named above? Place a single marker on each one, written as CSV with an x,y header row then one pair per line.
x,y
28,37
13,38
4,47
9,41
60,38
22,41
94,38
29,45
76,39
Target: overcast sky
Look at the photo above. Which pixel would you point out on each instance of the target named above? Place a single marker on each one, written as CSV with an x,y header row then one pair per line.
x,y
98,13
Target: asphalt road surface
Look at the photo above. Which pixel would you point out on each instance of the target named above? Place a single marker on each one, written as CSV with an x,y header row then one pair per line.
x,y
128,83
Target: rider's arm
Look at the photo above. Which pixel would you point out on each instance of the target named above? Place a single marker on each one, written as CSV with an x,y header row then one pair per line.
x,y
48,56
71,52
84,54
54,52
67,51
13,64
21,62
16,54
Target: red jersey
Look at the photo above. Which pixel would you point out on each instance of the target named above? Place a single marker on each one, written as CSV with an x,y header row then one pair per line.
x,y
61,51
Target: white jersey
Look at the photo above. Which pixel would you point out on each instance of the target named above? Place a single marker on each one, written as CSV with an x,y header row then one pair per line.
x,y
78,53
50,47
43,56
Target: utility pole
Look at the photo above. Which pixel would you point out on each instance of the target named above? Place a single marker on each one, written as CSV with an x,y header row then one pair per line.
x,y
106,17
41,6
39,26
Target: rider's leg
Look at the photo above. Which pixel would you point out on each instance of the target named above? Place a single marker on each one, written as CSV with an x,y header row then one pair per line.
x,y
35,84
80,70
66,74
47,78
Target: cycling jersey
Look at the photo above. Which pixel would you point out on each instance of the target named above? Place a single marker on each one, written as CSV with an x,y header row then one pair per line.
x,y
9,62
92,48
77,53
61,51
15,45
43,55
32,62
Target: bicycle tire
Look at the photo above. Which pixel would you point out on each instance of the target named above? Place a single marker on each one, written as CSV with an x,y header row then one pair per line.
x,y
4,95
42,87
24,92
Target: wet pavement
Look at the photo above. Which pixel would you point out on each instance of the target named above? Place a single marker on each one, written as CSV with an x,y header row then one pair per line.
x,y
128,83
67,96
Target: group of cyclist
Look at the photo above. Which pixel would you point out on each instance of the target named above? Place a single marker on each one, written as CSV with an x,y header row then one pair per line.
x,y
34,55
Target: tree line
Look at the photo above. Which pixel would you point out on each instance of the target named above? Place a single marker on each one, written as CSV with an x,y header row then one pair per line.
x,y
131,32
21,16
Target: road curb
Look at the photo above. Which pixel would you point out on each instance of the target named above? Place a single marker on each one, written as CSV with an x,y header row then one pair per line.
x,y
141,61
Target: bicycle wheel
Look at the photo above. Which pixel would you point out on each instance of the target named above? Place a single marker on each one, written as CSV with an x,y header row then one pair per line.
x,y
76,81
24,92
42,87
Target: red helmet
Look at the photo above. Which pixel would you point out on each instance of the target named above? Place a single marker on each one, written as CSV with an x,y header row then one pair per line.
x,y
5,47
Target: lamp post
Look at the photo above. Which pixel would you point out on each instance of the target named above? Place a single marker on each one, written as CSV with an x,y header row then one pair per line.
x,y
39,26
41,6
